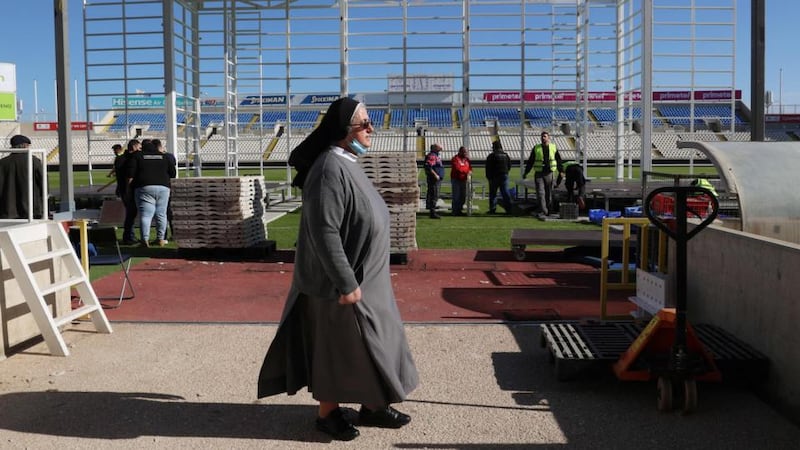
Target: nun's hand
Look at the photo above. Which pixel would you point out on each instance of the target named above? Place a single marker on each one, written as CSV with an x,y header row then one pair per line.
x,y
351,298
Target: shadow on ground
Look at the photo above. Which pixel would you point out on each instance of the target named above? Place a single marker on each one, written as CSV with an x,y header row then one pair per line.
x,y
127,415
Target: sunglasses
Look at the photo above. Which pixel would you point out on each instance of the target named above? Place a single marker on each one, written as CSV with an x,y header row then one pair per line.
x,y
365,124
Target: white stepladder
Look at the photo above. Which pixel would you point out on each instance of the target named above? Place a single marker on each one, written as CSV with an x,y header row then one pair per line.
x,y
59,250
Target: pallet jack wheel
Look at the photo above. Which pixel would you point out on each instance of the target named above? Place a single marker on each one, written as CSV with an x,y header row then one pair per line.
x,y
519,252
690,396
664,394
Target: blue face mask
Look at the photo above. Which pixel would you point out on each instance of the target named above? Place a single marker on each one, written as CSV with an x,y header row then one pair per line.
x,y
357,147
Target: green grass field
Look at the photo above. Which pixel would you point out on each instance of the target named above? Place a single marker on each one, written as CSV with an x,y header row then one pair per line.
x,y
479,231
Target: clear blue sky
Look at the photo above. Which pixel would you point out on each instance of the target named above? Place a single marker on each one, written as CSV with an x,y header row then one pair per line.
x,y
29,42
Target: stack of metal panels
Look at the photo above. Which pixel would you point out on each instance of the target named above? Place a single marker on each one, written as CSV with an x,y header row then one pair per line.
x,y
395,177
219,212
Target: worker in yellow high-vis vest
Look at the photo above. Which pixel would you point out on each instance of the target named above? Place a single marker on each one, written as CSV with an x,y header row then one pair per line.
x,y
543,161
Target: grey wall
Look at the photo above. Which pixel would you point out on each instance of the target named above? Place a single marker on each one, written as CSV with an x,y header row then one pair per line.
x,y
750,286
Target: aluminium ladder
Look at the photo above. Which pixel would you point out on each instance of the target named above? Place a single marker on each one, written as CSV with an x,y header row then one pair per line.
x,y
59,250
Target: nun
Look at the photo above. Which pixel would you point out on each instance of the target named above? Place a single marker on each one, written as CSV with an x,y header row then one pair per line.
x,y
340,334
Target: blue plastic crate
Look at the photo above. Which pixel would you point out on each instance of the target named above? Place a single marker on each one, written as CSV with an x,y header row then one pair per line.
x,y
633,211
596,215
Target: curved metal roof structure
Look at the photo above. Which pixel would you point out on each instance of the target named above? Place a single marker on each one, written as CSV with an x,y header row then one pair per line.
x,y
762,175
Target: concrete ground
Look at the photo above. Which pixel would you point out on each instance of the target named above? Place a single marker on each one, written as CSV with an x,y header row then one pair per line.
x,y
151,385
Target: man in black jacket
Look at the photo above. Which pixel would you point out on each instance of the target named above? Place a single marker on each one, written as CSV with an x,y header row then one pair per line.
x,y
14,182
498,164
126,191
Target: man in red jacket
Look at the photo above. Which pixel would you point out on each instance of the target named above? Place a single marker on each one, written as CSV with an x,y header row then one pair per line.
x,y
460,170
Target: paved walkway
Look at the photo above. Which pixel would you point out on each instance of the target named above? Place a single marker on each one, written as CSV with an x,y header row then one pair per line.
x,y
482,386
167,378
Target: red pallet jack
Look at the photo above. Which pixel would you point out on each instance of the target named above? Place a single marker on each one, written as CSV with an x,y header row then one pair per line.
x,y
668,348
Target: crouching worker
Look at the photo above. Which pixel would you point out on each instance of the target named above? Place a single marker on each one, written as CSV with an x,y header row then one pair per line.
x,y
703,183
572,172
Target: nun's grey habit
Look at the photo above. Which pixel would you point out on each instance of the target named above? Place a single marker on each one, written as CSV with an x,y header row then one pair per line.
x,y
342,353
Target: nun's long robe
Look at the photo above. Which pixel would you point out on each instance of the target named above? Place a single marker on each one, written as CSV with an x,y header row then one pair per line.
x,y
343,353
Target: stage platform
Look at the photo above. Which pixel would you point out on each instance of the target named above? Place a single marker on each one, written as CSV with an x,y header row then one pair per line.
x,y
598,190
522,237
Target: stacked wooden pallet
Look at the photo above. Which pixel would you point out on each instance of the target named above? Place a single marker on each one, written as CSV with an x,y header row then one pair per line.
x,y
395,177
219,212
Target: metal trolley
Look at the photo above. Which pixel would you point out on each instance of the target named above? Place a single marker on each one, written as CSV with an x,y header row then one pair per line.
x,y
668,348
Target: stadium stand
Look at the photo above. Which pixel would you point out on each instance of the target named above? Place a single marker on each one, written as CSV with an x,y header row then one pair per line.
x,y
506,117
391,141
435,117
258,129
378,117
679,115
738,136
666,141
778,135
207,119
124,121
546,117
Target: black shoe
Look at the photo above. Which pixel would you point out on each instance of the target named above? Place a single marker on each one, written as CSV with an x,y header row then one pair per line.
x,y
435,216
336,426
383,418
129,242
491,211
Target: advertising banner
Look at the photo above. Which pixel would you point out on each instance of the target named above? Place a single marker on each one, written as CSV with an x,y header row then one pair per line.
x,y
8,77
53,126
255,100
45,126
606,96
138,102
323,99
550,97
421,83
8,106
782,118
156,102
81,126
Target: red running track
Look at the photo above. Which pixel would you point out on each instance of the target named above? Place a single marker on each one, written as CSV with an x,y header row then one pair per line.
x,y
434,286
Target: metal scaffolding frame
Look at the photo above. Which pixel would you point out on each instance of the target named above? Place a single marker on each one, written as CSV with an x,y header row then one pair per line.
x,y
244,58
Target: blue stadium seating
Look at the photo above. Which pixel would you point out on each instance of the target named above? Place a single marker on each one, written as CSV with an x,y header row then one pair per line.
x,y
545,117
721,112
437,117
155,121
507,117
609,115
304,119
270,118
679,114
208,118
604,114
396,120
377,116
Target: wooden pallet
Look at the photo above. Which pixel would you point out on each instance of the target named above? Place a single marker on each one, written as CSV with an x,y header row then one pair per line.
x,y
195,181
578,347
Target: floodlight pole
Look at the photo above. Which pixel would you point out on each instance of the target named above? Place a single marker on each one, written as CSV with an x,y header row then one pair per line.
x,y
757,51
62,107
170,97
646,162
